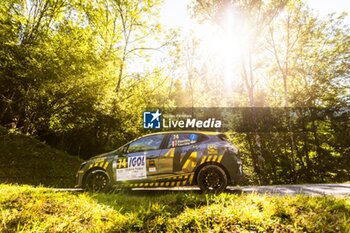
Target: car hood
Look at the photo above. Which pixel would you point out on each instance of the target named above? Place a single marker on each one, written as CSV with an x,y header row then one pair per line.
x,y
111,153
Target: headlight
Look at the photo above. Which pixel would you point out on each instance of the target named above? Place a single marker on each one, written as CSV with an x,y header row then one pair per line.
x,y
240,169
233,149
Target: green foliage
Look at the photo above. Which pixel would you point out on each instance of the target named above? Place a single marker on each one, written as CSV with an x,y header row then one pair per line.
x,y
64,68
320,139
27,209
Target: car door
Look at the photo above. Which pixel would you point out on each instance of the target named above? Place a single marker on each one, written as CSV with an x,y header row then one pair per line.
x,y
140,159
179,155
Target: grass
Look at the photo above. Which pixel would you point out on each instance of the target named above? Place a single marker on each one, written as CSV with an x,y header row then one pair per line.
x,y
25,160
29,209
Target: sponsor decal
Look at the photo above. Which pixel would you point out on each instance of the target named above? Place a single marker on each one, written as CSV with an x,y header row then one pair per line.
x,y
138,161
212,149
192,123
135,169
152,169
193,137
152,120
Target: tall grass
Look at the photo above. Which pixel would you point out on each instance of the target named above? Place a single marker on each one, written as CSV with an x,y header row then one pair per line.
x,y
28,209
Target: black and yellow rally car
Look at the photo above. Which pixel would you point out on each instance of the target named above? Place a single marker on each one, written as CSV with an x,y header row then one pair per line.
x,y
167,159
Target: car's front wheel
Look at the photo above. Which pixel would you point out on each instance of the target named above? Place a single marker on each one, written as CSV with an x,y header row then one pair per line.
x,y
97,181
212,179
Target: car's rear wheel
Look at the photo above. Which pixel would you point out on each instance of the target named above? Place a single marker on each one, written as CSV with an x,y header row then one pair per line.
x,y
97,181
212,179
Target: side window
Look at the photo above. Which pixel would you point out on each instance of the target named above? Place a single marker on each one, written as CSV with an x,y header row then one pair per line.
x,y
146,144
182,139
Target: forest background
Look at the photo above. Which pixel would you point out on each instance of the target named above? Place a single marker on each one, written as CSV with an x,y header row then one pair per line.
x,y
78,74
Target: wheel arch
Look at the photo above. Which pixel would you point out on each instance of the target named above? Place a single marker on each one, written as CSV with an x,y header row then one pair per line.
x,y
211,163
90,171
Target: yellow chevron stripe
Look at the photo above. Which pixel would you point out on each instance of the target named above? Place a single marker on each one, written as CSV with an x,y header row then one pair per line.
x,y
170,153
193,164
105,166
146,184
156,184
172,150
162,184
203,159
172,183
193,158
214,158
166,154
178,183
220,158
191,177
209,158
167,183
186,164
151,184
170,177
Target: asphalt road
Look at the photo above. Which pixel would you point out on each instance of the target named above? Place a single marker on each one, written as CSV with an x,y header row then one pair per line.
x,y
307,189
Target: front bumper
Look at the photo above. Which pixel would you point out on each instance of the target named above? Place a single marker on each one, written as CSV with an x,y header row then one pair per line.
x,y
79,179
237,175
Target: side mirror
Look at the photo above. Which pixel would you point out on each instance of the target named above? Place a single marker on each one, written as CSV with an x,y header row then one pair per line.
x,y
122,151
125,149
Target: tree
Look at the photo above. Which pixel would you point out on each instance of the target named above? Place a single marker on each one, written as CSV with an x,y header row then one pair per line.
x,y
66,70
294,59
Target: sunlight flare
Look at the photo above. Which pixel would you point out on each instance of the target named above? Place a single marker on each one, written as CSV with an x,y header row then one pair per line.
x,y
226,45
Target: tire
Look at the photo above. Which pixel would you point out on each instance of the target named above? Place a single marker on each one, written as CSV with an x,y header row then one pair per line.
x,y
97,181
212,179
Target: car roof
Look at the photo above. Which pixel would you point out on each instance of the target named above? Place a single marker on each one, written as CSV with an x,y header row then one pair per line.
x,y
178,131
186,131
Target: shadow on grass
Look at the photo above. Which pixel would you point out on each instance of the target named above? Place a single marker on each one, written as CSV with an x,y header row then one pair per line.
x,y
154,192
171,202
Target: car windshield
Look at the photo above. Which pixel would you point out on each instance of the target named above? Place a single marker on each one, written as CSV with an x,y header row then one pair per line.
x,y
146,143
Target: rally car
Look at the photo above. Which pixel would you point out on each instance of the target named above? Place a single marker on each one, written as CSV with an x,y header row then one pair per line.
x,y
166,159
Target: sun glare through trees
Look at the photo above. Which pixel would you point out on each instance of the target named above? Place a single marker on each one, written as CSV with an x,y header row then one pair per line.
x,y
79,75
